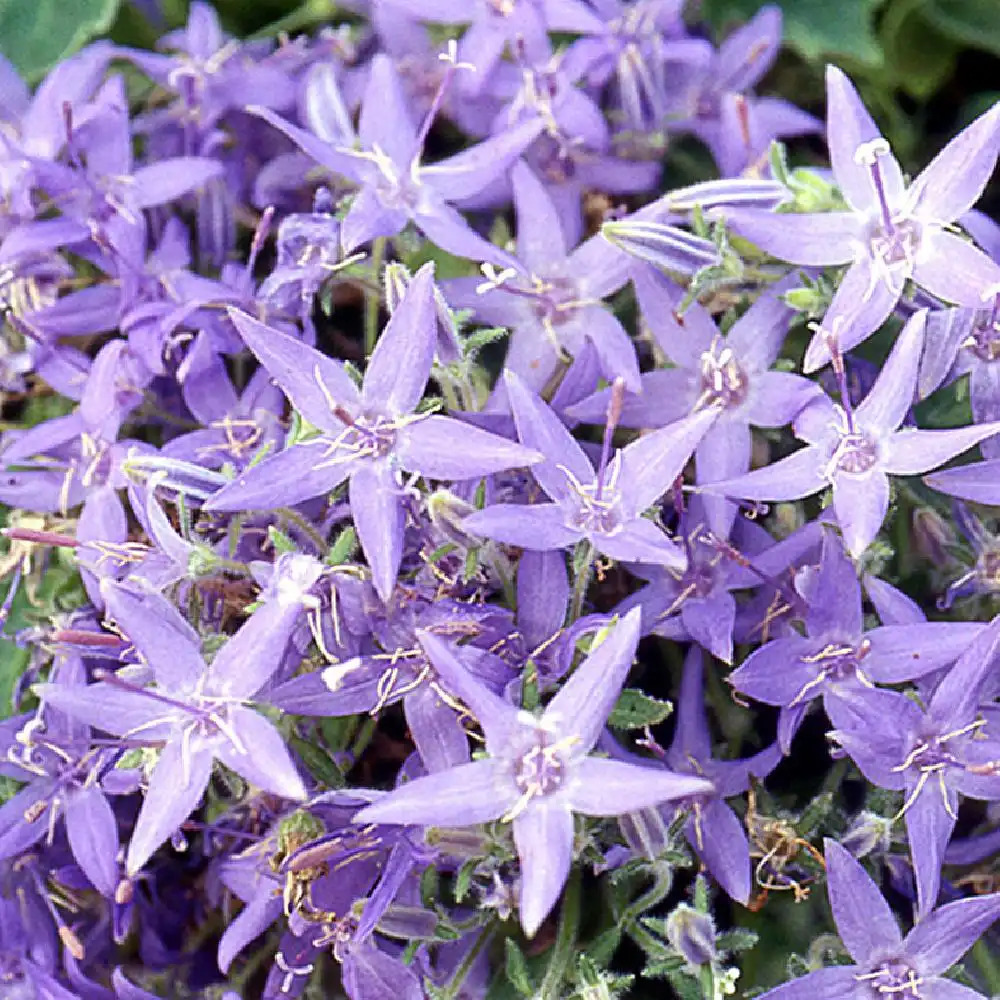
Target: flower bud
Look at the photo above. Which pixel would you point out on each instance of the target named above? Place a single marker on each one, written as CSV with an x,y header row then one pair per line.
x,y
692,934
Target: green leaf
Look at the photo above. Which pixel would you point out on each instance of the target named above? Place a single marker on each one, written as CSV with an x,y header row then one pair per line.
x,y
635,710
517,969
968,22
817,28
36,34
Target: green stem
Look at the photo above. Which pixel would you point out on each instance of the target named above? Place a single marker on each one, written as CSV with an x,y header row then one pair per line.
x,y
364,737
582,581
304,526
988,965
451,990
565,946
373,300
304,16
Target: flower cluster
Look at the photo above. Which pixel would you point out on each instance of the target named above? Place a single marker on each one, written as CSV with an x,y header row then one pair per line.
x,y
396,479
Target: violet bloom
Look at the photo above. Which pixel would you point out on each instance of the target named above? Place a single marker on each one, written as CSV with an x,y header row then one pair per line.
x,y
604,506
932,756
730,372
715,105
837,659
539,771
855,449
395,187
366,435
891,232
885,963
53,754
197,713
551,301
712,828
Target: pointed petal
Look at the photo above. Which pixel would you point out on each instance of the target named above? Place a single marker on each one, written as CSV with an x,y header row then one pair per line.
x,y
652,464
379,519
953,181
249,659
944,936
93,837
904,652
798,475
864,920
929,825
461,796
539,428
861,503
385,120
340,161
299,473
835,601
540,238
368,218
583,704
542,595
978,482
258,753
830,238
448,449
159,632
497,718
400,365
604,787
308,378
718,838
684,339
883,409
849,126
613,345
159,183
710,622
543,835
447,227
436,730
104,706
691,735
862,303
175,788
466,173
640,541
539,526
955,270
913,451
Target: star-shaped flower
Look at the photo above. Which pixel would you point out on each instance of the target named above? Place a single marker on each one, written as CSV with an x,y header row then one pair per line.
x,y
885,963
855,450
539,770
891,232
197,713
603,506
366,435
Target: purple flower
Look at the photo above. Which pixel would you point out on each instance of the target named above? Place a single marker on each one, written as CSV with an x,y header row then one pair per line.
x,y
932,755
394,187
197,713
539,770
892,232
855,449
886,963
369,435
604,507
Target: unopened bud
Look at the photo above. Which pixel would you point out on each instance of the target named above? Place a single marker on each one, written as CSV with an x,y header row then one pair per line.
x,y
692,935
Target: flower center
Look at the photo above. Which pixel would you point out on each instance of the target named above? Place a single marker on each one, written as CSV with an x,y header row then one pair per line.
x,y
541,770
723,380
856,453
895,979
598,515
